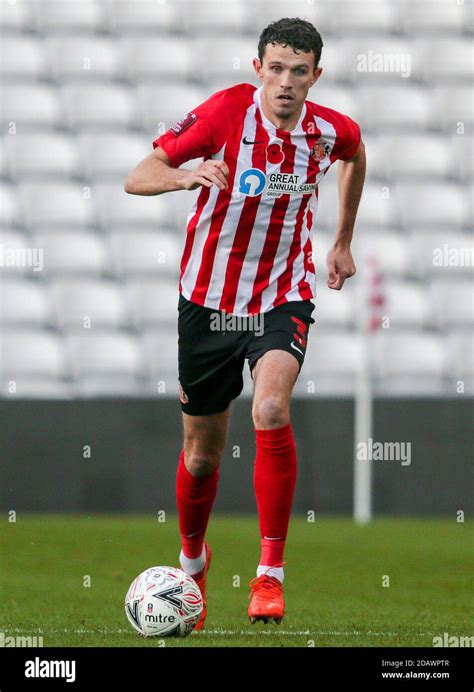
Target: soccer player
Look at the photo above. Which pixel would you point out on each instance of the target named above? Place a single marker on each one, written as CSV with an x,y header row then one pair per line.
x,y
248,255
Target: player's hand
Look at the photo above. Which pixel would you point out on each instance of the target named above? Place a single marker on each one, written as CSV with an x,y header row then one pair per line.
x,y
208,173
340,266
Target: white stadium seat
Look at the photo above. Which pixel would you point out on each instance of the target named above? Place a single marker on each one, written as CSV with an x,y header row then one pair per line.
x,y
145,15
404,107
408,363
453,108
69,15
35,388
88,304
144,252
452,59
105,354
116,207
336,309
376,206
73,252
152,302
41,154
229,57
98,105
32,353
453,302
35,105
160,355
461,150
56,203
459,355
161,108
431,204
141,57
83,57
22,57
17,255
23,303
331,365
406,304
432,16
335,97
232,16
99,386
426,156
336,64
389,248
16,16
111,155
8,205
441,252
348,17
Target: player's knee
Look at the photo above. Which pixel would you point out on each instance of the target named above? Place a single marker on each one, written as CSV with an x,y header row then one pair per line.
x,y
270,413
201,463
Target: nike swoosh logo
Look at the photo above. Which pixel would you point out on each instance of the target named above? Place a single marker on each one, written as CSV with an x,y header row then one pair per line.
x,y
296,348
245,141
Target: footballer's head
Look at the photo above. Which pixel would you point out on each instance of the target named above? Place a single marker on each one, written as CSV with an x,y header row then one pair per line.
x,y
289,51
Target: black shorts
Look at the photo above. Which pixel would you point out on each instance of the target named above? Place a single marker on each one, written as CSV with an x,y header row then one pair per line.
x,y
213,346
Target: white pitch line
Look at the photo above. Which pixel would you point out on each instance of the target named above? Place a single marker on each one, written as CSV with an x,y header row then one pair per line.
x,y
224,632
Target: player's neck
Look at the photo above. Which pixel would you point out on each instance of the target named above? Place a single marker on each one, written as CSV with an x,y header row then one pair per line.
x,y
285,124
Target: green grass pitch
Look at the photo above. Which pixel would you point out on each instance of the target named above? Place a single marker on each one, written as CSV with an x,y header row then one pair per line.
x,y
333,580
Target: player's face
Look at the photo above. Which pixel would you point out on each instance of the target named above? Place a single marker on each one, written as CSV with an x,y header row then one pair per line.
x,y
287,77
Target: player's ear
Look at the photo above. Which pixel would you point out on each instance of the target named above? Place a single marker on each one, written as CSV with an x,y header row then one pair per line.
x,y
257,65
316,74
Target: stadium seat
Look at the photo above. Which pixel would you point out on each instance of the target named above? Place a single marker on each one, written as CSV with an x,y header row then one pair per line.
x,y
87,304
73,252
462,150
34,105
32,353
380,60
234,16
155,110
145,253
229,57
376,206
145,15
152,302
452,59
15,16
420,155
111,155
432,17
406,304
42,154
453,302
8,205
335,97
402,107
103,386
453,109
22,57
56,203
98,106
68,15
441,253
17,256
348,17
23,303
35,388
175,58
459,355
389,248
336,309
116,207
431,204
160,355
83,58
410,363
104,354
332,363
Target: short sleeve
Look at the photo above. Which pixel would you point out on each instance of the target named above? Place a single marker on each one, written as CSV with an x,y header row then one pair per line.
x,y
195,136
348,138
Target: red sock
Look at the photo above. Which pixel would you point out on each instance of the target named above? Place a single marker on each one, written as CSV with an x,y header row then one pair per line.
x,y
274,483
195,497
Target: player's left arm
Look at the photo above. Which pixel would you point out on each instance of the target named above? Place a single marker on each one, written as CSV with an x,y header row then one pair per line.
x,y
350,182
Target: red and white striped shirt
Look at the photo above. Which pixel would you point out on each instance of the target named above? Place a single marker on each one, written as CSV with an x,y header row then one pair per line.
x,y
248,248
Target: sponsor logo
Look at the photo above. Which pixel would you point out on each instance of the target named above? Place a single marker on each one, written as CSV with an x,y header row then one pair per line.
x,y
183,124
252,182
296,348
171,596
301,331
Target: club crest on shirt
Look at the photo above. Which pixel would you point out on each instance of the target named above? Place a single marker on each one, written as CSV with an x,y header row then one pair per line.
x,y
319,151
183,124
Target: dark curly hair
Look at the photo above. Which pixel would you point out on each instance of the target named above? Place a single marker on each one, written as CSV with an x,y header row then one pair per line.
x,y
297,33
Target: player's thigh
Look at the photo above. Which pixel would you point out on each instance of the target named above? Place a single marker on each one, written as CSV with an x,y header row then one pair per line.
x,y
274,375
205,436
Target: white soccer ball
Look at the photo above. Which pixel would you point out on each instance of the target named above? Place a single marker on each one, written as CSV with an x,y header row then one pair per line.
x,y
163,601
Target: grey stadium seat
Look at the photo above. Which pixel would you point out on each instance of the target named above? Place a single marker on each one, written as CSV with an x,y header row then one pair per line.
x,y
73,252
406,304
402,107
235,16
228,57
23,303
111,155
18,256
453,302
140,57
145,252
35,155
61,15
452,59
431,204
160,354
98,105
453,106
389,248
22,57
83,57
16,16
104,354
444,252
459,354
8,205
56,203
145,15
336,309
30,353
161,108
428,16
415,155
152,302
35,105
116,207
81,302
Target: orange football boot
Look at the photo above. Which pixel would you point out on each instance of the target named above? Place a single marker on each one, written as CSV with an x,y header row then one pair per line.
x,y
267,602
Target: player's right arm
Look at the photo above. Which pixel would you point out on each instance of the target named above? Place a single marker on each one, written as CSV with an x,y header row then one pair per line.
x,y
155,175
